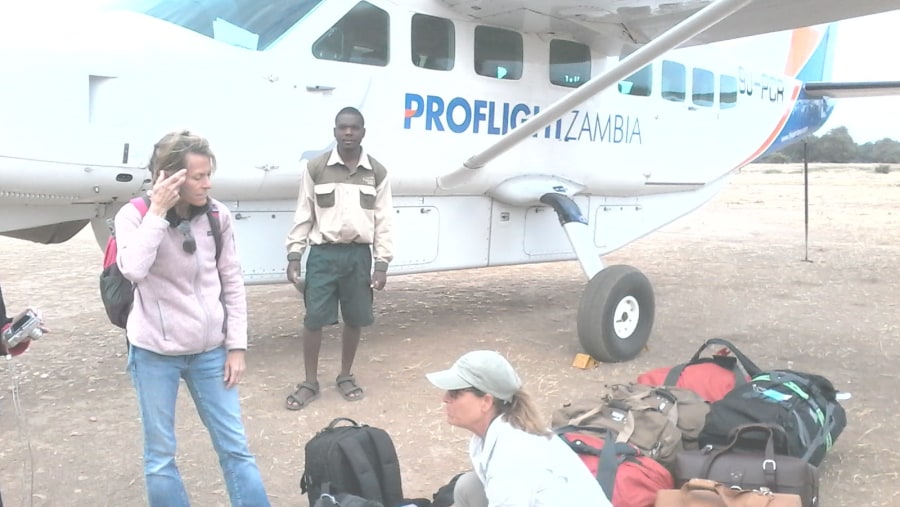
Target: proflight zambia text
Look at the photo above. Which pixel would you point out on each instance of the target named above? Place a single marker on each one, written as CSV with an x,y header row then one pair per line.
x,y
460,115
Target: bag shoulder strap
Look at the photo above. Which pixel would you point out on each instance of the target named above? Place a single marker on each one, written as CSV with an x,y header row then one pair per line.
x,y
748,365
608,465
366,476
729,363
391,482
674,374
213,216
608,457
216,227
142,204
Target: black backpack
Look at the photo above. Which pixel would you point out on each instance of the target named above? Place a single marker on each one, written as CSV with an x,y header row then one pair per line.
x,y
803,404
356,459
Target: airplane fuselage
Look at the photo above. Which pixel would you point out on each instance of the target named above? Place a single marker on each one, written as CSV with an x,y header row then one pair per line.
x,y
79,124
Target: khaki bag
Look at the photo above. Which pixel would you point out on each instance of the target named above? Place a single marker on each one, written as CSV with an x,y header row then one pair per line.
x,y
653,419
687,408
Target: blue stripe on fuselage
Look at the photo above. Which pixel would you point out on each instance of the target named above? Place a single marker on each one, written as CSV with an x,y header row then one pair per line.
x,y
809,114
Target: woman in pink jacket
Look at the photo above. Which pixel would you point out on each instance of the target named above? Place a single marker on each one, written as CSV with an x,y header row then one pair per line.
x,y
189,319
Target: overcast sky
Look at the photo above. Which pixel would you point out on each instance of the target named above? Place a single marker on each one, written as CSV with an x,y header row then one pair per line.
x,y
866,51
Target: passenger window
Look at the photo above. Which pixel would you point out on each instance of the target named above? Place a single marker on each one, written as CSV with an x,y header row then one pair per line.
x,y
570,63
728,92
673,81
498,53
640,83
433,42
361,36
703,88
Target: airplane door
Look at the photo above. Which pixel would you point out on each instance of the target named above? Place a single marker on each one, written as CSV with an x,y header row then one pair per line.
x,y
686,125
703,126
332,65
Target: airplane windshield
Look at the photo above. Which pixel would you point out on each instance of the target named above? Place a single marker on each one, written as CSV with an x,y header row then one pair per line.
x,y
250,24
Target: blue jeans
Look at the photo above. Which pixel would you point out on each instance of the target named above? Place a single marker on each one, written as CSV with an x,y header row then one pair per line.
x,y
156,378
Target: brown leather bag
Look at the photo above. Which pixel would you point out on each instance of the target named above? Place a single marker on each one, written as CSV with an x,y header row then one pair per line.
x,y
751,470
706,493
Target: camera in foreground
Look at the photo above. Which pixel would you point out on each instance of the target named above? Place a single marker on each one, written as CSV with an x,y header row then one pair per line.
x,y
24,327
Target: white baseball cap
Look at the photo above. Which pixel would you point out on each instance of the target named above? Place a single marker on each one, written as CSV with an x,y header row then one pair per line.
x,y
485,370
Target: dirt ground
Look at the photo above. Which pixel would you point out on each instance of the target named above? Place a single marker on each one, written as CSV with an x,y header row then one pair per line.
x,y
733,269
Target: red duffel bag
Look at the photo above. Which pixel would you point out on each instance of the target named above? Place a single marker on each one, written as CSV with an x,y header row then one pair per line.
x,y
710,377
628,477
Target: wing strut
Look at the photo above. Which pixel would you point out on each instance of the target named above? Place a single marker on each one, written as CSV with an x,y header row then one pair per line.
x,y
677,35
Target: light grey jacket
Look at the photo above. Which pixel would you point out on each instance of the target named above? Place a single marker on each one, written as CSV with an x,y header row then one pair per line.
x,y
177,306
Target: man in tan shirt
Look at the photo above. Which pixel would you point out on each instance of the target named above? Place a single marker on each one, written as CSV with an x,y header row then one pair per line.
x,y
344,215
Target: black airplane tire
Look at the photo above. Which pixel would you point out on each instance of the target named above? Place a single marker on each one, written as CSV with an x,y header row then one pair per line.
x,y
616,313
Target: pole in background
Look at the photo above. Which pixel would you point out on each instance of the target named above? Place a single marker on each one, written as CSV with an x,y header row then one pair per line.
x,y
805,202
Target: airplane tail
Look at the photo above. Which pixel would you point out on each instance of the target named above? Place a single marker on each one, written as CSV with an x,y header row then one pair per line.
x,y
810,58
811,53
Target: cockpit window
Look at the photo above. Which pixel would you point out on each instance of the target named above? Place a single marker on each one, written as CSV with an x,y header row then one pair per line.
x,y
250,24
361,36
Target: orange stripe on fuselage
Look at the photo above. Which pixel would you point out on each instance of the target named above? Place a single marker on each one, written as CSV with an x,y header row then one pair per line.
x,y
803,43
769,140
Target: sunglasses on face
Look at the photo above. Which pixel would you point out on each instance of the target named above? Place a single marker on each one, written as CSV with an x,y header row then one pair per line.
x,y
189,245
456,393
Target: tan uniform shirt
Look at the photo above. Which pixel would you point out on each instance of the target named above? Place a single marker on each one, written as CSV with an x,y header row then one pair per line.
x,y
344,206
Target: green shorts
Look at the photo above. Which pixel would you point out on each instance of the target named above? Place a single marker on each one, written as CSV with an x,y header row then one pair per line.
x,y
338,273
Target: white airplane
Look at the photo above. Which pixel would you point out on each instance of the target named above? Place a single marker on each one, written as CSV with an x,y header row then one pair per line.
x,y
490,114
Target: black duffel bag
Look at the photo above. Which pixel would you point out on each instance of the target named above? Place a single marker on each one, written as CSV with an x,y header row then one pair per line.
x,y
803,404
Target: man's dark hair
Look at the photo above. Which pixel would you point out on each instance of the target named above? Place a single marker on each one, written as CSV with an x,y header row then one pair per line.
x,y
353,111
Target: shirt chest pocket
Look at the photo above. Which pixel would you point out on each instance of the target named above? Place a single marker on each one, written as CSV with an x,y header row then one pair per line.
x,y
324,195
367,197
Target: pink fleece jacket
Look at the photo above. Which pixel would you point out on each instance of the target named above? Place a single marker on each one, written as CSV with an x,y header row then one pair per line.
x,y
177,310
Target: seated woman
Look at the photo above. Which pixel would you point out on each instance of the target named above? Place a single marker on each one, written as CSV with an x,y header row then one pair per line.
x,y
517,461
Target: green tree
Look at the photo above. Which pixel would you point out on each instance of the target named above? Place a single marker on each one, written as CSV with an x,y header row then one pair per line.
x,y
885,151
836,147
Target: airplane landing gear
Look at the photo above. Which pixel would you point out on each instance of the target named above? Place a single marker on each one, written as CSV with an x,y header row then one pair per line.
x,y
616,314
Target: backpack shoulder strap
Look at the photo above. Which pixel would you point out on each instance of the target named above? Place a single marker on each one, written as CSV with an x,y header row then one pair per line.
x,y
213,216
391,483
363,471
142,204
112,247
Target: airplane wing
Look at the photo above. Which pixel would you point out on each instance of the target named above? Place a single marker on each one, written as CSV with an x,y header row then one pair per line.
x,y
612,27
640,21
852,90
